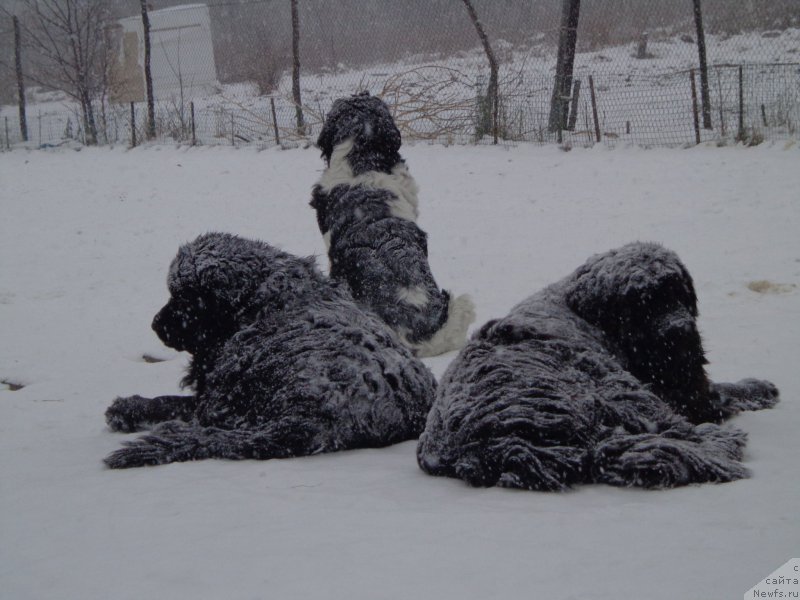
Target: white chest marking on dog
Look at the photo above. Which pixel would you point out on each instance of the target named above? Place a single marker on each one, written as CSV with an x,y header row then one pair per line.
x,y
416,296
326,237
399,182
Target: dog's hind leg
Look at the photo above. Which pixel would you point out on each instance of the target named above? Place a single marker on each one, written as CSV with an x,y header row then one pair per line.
x,y
176,441
133,413
705,453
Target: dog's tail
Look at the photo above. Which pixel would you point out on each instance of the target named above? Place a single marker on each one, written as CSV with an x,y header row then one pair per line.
x,y
453,333
177,441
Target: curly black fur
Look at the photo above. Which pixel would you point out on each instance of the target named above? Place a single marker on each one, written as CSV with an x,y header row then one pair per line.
x,y
283,364
367,121
597,378
366,206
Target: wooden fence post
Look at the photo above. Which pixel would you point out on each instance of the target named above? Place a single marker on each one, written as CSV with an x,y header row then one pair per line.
x,y
133,126
695,111
741,133
594,109
573,111
274,121
194,128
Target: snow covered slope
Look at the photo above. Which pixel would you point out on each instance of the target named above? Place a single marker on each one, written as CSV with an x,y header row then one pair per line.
x,y
85,241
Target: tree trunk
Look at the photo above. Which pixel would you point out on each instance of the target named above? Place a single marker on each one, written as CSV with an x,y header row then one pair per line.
x,y
23,120
562,88
150,128
298,104
492,91
89,124
705,97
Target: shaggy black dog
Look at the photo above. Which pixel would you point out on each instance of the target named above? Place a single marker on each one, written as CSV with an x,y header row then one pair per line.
x,y
597,378
284,363
366,204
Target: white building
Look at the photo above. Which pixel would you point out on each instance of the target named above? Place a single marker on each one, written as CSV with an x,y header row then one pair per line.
x,y
181,55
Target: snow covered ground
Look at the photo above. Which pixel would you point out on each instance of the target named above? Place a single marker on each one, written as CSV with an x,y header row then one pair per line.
x,y
85,241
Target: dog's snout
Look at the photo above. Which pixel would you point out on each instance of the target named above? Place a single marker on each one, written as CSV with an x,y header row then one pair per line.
x,y
159,322
171,326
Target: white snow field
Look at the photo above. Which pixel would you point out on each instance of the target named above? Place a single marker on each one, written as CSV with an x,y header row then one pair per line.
x,y
85,241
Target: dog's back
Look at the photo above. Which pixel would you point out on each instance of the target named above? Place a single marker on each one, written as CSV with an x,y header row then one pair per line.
x,y
545,397
298,369
366,205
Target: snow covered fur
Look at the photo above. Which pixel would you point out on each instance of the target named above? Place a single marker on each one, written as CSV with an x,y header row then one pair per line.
x,y
283,364
366,205
597,378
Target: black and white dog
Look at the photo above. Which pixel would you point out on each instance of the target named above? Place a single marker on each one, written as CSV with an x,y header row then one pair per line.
x,y
366,205
597,378
283,364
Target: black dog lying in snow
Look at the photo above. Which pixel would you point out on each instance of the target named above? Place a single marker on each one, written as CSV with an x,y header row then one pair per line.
x,y
597,378
283,364
366,204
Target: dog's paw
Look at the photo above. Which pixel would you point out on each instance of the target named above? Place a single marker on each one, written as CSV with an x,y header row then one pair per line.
x,y
136,454
125,414
168,443
748,394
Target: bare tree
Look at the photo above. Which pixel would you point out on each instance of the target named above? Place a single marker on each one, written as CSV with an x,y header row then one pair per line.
x,y
492,90
148,76
567,40
701,53
69,45
23,121
298,105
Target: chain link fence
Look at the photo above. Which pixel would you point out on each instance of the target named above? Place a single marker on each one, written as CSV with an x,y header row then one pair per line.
x,y
222,71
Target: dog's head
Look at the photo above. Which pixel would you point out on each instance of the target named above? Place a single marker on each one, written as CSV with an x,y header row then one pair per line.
x,y
220,281
367,123
643,299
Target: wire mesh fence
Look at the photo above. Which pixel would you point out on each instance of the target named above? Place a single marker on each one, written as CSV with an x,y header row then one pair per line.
x,y
222,72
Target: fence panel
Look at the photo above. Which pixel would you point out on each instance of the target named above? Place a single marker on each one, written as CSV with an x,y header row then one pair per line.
x,y
224,64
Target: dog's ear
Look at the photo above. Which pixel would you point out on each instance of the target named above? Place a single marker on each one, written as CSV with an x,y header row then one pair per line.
x,y
325,140
331,133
